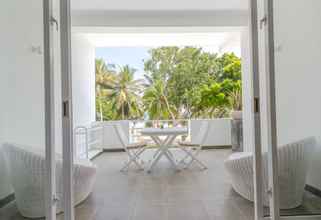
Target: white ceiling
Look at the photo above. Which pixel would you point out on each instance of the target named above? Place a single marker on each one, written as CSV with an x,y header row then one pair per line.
x,y
159,5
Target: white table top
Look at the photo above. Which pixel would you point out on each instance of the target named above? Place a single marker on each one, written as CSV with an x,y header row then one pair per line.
x,y
164,131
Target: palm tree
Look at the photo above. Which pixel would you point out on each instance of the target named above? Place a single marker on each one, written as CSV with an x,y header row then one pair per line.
x,y
156,102
105,78
125,94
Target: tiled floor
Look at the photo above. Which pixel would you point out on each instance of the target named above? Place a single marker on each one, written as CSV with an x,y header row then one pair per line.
x,y
164,194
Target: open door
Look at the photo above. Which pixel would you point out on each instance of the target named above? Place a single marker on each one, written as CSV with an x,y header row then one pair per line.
x,y
289,39
257,151
28,136
267,105
50,28
67,126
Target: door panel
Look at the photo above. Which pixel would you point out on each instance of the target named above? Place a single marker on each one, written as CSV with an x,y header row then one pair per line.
x,y
292,39
297,33
26,116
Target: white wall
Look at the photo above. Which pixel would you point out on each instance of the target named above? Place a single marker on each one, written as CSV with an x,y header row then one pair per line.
x,y
22,79
110,137
298,74
22,71
22,104
219,133
5,186
83,80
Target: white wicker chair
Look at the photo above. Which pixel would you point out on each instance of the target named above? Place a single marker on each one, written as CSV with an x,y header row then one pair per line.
x,y
293,162
27,169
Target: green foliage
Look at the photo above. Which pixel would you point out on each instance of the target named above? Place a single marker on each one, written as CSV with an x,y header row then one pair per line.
x,y
125,94
105,78
230,67
180,82
219,98
182,70
156,102
235,96
187,72
104,109
117,94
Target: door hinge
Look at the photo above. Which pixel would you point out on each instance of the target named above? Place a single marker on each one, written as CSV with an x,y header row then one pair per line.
x,y
54,21
256,105
269,192
263,22
65,108
55,200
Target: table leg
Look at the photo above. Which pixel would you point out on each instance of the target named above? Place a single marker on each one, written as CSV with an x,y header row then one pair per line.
x,y
163,150
159,153
169,154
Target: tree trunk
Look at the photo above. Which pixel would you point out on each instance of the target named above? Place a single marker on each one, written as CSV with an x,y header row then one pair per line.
x,y
169,109
101,111
122,112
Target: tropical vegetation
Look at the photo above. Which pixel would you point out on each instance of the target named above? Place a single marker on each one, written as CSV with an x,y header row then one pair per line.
x,y
179,83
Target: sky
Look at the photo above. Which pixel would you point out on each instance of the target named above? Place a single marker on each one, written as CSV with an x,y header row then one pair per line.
x,y
132,56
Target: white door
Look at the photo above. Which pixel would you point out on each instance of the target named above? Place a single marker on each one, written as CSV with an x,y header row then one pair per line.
x,y
268,105
67,126
289,53
50,31
257,140
27,60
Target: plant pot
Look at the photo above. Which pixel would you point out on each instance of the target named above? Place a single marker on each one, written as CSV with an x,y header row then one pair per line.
x,y
237,115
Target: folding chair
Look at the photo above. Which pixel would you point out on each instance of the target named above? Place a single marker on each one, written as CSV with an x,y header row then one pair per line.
x,y
133,150
194,147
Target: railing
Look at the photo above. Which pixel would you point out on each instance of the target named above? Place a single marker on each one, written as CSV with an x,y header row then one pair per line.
x,y
136,126
86,138
101,135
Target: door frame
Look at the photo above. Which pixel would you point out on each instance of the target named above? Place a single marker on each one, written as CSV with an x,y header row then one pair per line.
x,y
257,148
48,41
67,117
268,126
268,90
271,129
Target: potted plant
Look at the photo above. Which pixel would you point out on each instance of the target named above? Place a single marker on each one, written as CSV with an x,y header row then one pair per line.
x,y
235,99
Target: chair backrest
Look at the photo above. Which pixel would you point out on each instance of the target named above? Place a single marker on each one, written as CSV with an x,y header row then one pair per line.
x,y
121,135
27,170
202,133
295,157
293,166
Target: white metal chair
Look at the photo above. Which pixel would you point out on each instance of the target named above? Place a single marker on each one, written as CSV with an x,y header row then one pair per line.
x,y
133,150
193,148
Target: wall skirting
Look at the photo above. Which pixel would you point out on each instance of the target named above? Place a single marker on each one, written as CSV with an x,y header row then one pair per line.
x,y
315,191
7,200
